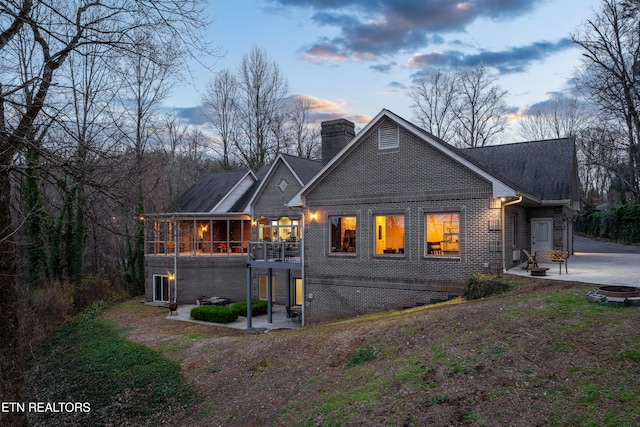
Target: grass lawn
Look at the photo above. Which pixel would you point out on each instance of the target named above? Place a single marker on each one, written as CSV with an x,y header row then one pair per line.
x,y
539,354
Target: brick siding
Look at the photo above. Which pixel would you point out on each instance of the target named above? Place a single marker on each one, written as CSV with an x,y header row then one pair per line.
x,y
415,179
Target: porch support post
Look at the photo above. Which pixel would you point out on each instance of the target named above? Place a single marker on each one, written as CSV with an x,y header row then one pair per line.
x,y
288,288
248,296
269,301
503,211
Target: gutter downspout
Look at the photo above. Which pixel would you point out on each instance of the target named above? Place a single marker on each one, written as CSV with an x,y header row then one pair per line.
x,y
504,249
176,247
304,281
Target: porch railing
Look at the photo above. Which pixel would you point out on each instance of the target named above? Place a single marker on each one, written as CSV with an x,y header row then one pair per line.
x,y
286,251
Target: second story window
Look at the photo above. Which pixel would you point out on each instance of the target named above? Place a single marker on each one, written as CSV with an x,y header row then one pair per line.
x,y
343,234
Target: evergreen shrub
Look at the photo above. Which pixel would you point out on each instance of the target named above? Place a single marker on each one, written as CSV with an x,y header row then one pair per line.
x,y
482,285
214,313
257,307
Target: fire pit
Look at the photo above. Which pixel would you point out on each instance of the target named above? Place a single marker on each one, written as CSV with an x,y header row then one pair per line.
x,y
615,295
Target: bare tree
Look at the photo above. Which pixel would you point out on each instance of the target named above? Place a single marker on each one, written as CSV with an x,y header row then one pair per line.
x,y
560,117
465,108
261,93
303,133
433,101
609,78
57,29
220,108
479,109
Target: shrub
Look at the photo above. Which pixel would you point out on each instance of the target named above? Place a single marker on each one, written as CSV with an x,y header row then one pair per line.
x,y
482,285
214,313
257,307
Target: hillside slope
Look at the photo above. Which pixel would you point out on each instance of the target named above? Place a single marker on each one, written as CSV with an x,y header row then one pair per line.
x,y
538,355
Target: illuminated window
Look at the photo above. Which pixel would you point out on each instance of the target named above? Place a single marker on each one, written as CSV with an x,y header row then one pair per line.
x,y
263,288
389,234
279,229
298,292
442,234
343,233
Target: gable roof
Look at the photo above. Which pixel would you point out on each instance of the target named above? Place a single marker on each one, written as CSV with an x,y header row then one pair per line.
x,y
542,168
304,169
211,190
501,187
242,205
301,168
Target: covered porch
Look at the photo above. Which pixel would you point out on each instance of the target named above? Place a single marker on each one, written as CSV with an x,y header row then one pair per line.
x,y
197,235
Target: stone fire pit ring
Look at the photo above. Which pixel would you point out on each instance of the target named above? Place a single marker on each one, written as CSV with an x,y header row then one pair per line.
x,y
615,295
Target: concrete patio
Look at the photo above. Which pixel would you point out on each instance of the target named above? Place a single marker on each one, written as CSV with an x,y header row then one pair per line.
x,y
597,262
279,319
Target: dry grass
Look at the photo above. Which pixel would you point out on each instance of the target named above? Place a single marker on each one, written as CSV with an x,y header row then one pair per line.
x,y
537,355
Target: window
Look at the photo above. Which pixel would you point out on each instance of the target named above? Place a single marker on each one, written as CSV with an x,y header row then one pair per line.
x,y
298,292
514,230
343,233
443,234
283,229
160,288
263,292
389,234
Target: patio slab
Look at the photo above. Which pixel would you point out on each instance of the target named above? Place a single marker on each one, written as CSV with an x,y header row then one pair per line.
x,y
279,319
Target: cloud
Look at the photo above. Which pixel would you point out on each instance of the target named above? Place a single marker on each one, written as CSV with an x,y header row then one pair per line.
x,y
384,68
323,109
191,115
369,29
513,60
324,51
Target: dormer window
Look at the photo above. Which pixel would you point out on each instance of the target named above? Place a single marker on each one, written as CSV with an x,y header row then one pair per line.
x,y
388,136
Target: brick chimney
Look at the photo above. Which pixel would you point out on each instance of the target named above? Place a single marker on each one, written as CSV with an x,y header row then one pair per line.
x,y
335,135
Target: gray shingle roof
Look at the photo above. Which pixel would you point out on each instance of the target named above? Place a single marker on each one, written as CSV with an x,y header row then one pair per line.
x,y
242,202
544,169
304,168
207,192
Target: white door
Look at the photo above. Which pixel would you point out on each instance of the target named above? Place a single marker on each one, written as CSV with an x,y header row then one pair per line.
x,y
541,235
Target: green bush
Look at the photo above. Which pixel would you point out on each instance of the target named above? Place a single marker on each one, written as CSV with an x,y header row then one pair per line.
x,y
482,285
621,223
257,307
214,313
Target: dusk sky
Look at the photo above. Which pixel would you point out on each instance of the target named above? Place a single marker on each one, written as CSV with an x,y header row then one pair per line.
x,y
352,58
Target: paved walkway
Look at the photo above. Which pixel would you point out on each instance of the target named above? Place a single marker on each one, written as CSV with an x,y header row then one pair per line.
x,y
602,263
278,319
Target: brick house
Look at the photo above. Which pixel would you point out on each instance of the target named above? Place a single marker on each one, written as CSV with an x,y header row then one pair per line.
x,y
398,217
390,217
200,245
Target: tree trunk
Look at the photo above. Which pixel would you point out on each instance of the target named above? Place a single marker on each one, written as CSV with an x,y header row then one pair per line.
x,y
12,387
